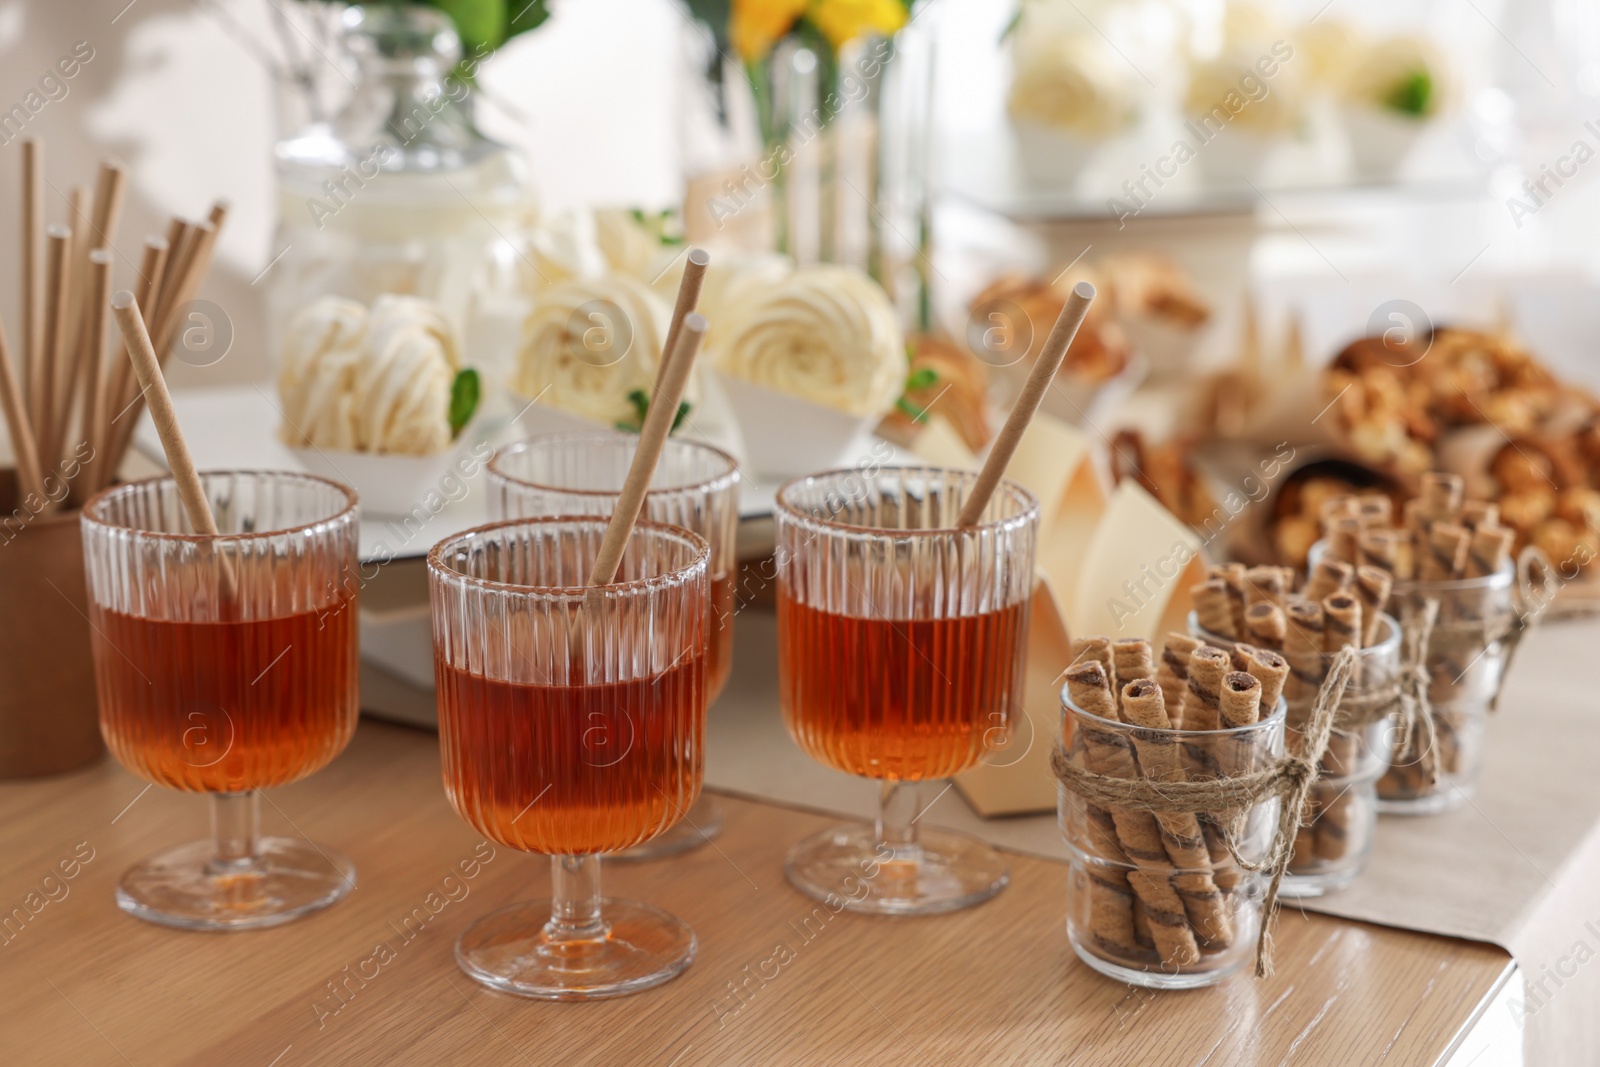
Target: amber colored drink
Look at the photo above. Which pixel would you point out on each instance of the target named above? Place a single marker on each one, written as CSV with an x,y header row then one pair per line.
x,y
573,770
719,660
901,699
222,707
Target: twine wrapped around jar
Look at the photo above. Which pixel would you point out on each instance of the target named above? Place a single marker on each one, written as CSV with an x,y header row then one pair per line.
x,y
1290,778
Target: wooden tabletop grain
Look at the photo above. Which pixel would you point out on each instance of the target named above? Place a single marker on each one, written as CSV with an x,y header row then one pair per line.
x,y
83,984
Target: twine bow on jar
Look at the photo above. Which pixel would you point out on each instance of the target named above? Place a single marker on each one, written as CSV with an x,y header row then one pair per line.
x,y
1289,778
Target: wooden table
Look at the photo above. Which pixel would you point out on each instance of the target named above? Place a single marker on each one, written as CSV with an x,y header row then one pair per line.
x,y
83,984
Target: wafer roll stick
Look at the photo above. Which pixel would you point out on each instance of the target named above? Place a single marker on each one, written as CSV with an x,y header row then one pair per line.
x,y
1238,704
1138,833
1111,900
1180,832
1233,581
1212,606
1439,496
1372,586
1344,540
1272,671
1239,700
1489,550
1172,674
1479,513
1333,824
1263,585
1375,509
1239,656
1327,577
1265,625
1131,660
1337,507
1207,665
1445,555
1302,647
1097,649
1341,622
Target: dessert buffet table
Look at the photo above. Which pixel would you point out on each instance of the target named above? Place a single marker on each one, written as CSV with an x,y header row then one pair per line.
x,y
778,980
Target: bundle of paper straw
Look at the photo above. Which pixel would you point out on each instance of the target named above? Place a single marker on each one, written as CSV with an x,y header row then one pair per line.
x,y
71,405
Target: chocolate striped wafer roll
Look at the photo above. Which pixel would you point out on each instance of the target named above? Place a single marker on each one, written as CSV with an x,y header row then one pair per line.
x,y
1488,550
1172,674
1375,509
1373,585
1239,700
1233,579
1263,585
1333,825
1479,513
1180,831
1272,671
1439,496
1110,753
1265,625
1097,649
1131,660
1302,647
1207,665
1341,622
1211,605
1444,557
1379,548
1327,577
1337,507
1344,540
1239,656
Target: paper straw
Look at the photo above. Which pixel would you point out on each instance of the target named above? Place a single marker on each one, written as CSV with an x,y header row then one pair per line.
x,y
1039,379
652,439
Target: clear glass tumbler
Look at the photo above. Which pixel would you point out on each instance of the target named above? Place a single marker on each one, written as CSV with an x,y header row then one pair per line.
x,y
901,642
1332,849
1138,917
696,487
571,722
226,665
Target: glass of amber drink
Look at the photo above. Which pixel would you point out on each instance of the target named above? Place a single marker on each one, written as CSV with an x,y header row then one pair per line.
x,y
696,487
571,722
901,641
226,665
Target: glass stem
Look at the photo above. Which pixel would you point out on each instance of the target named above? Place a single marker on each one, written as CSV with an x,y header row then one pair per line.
x,y
235,829
575,899
897,814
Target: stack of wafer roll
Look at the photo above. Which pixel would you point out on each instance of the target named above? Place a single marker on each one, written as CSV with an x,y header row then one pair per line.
x,y
1165,895
1441,540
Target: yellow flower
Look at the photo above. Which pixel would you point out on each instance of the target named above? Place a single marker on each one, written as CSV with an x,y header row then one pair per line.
x,y
756,25
845,20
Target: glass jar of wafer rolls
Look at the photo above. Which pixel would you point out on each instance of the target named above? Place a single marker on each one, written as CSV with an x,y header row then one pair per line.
x,y
1335,840
1157,898
1454,593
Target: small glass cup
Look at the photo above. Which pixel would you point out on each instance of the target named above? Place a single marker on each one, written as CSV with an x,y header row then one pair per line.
x,y
571,723
695,486
1332,849
227,664
900,655
1110,896
1465,660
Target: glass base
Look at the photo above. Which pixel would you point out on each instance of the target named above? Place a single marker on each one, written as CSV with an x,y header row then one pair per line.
x,y
700,824
1305,886
944,872
1155,978
641,948
287,878
1445,798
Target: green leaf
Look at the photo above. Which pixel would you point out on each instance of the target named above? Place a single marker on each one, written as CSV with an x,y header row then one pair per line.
x,y
917,414
1412,95
526,15
683,413
921,379
480,23
464,394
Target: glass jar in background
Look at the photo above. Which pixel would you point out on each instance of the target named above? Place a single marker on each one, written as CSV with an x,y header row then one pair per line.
x,y
398,192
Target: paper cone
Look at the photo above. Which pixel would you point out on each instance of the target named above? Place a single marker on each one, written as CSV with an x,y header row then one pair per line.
x,y
1055,463
940,444
1015,779
1136,570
